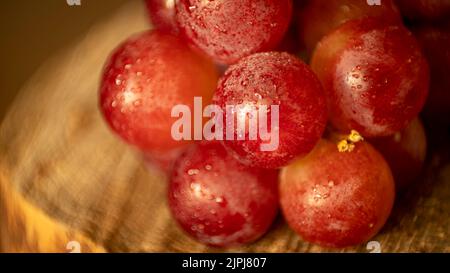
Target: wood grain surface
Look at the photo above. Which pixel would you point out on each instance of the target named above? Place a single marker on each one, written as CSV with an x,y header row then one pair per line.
x,y
63,162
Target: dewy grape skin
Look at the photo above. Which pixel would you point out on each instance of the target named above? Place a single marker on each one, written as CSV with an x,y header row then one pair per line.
x,y
214,128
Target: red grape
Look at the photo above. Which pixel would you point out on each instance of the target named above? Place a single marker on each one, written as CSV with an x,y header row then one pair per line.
x,y
374,75
267,79
228,30
319,17
424,9
219,201
405,153
435,41
337,199
143,79
162,14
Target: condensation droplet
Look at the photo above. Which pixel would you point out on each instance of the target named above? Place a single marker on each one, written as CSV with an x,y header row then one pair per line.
x,y
137,102
193,171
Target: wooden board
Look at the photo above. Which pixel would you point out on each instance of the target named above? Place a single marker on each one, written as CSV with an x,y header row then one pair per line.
x,y
57,154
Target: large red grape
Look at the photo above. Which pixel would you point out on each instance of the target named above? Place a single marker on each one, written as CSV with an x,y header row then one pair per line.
x,y
228,30
405,153
219,201
319,17
374,74
280,79
143,79
337,199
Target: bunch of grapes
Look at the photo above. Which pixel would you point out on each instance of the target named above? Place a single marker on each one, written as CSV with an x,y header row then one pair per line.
x,y
347,79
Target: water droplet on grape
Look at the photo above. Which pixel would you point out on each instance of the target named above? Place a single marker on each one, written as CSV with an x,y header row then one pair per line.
x,y
137,102
193,171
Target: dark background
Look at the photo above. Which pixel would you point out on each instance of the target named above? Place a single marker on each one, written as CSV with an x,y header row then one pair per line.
x,y
32,30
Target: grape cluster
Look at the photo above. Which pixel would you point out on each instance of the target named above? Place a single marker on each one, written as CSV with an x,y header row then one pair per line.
x,y
348,81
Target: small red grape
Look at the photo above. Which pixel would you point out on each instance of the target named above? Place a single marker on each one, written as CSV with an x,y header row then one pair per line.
x,y
228,30
219,201
374,75
337,199
405,153
143,79
162,14
163,161
435,42
319,17
273,78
